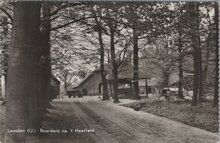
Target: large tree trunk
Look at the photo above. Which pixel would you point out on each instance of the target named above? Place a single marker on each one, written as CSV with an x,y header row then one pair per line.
x,y
45,75
193,9
21,106
102,66
114,65
216,88
135,64
134,27
199,54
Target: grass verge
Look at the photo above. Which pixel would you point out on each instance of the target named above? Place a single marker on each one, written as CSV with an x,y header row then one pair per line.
x,y
202,116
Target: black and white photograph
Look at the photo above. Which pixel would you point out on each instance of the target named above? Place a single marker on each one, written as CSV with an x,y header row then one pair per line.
x,y
109,71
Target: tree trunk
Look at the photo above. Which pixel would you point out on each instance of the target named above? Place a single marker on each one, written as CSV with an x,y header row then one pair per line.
x,y
216,88
110,88
165,77
21,106
180,89
195,80
102,66
65,83
45,75
193,9
201,98
199,54
146,86
135,64
180,85
114,65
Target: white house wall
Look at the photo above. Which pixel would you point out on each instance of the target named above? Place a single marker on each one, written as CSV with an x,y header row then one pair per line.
x,y
92,84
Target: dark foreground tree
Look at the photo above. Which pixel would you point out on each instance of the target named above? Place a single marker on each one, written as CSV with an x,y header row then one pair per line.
x,y
193,9
45,68
114,63
133,10
99,28
112,29
21,104
102,65
216,88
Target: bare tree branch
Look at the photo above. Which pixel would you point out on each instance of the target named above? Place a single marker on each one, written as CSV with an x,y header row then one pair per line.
x,y
69,23
7,14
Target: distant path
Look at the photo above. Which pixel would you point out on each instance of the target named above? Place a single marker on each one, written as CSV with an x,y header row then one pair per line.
x,y
117,124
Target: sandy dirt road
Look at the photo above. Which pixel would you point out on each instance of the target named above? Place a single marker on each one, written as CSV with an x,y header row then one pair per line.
x,y
114,124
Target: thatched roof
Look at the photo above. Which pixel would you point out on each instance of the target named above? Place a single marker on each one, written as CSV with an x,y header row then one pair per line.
x,y
82,82
125,71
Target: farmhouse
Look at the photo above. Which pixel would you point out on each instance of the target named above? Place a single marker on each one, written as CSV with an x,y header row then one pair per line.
x,y
91,84
125,79
150,77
